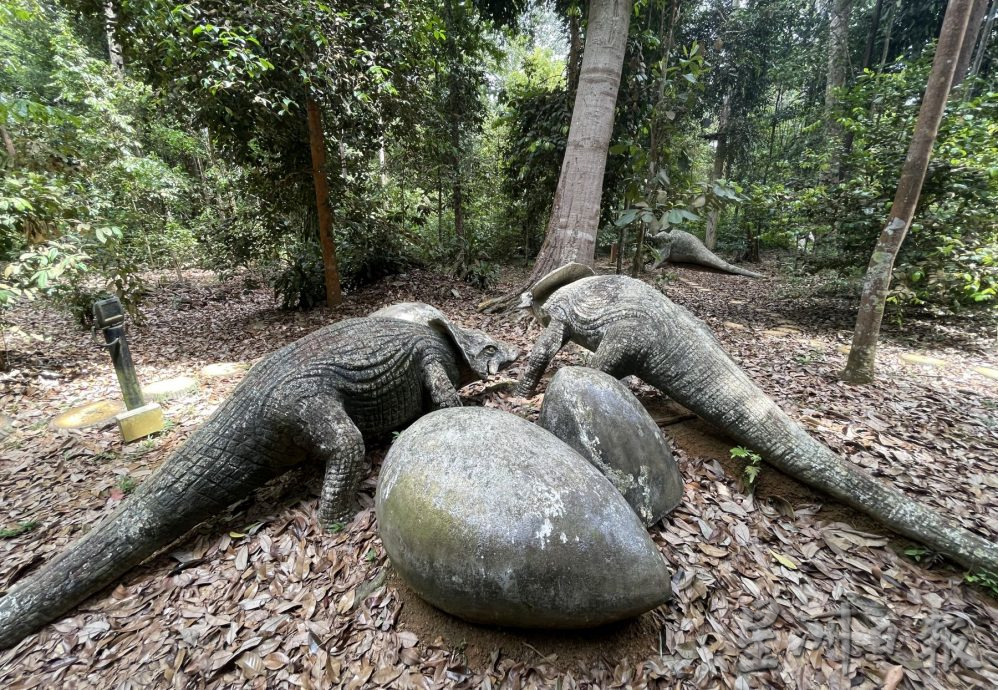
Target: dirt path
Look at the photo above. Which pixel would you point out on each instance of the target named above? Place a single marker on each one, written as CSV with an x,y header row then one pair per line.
x,y
767,582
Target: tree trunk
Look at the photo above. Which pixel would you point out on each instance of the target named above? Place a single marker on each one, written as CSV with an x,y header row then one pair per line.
x,y
113,47
317,143
891,16
862,355
457,200
720,155
838,71
977,15
571,232
871,38
985,36
638,262
871,35
8,144
456,195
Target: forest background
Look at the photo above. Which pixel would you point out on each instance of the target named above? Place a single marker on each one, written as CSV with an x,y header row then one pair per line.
x,y
145,135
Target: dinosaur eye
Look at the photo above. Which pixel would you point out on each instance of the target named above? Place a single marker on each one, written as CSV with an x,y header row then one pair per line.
x,y
489,350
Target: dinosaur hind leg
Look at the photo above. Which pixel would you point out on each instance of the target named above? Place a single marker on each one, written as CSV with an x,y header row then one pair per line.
x,y
330,436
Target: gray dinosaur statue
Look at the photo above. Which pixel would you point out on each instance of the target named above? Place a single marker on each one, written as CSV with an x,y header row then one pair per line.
x,y
680,247
315,399
634,329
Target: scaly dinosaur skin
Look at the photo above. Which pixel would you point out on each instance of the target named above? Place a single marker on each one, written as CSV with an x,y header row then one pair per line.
x,y
680,247
315,399
635,329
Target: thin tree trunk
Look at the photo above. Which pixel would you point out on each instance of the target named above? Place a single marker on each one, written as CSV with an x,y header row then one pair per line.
x,y
838,71
871,35
571,232
457,200
621,236
977,15
772,133
638,262
862,355
720,155
887,38
8,143
985,37
113,47
440,209
317,144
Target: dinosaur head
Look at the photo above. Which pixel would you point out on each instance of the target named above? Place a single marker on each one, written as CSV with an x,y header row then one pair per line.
x,y
537,295
482,354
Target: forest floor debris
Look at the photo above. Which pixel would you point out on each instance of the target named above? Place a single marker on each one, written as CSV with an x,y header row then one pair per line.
x,y
775,587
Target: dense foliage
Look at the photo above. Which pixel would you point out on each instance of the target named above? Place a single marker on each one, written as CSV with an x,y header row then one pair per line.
x,y
445,125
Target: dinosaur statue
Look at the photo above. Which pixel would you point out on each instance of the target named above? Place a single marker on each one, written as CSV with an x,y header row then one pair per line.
x,y
680,247
634,329
315,399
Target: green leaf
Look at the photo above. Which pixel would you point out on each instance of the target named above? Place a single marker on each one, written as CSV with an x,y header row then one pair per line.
x,y
627,217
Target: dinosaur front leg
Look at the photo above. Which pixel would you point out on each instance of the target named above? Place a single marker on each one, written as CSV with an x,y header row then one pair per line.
x,y
329,435
612,357
438,383
552,339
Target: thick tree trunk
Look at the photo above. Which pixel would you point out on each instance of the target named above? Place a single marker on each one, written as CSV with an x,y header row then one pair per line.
x,y
317,143
110,27
862,355
720,155
571,232
838,72
977,15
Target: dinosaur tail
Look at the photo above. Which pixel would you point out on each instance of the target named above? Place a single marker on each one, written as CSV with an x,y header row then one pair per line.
x,y
705,257
199,480
709,383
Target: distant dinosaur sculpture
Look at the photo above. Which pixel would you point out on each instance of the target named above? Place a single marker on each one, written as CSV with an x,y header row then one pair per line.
x,y
680,247
315,399
634,329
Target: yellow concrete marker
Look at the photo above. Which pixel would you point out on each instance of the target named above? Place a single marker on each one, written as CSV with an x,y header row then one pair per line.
x,y
169,388
91,414
222,369
844,349
734,326
990,372
140,422
912,358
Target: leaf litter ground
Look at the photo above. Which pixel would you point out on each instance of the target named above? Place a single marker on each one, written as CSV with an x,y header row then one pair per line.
x,y
776,587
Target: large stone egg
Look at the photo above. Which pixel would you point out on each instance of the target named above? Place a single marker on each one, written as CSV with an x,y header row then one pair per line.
x,y
495,520
601,419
